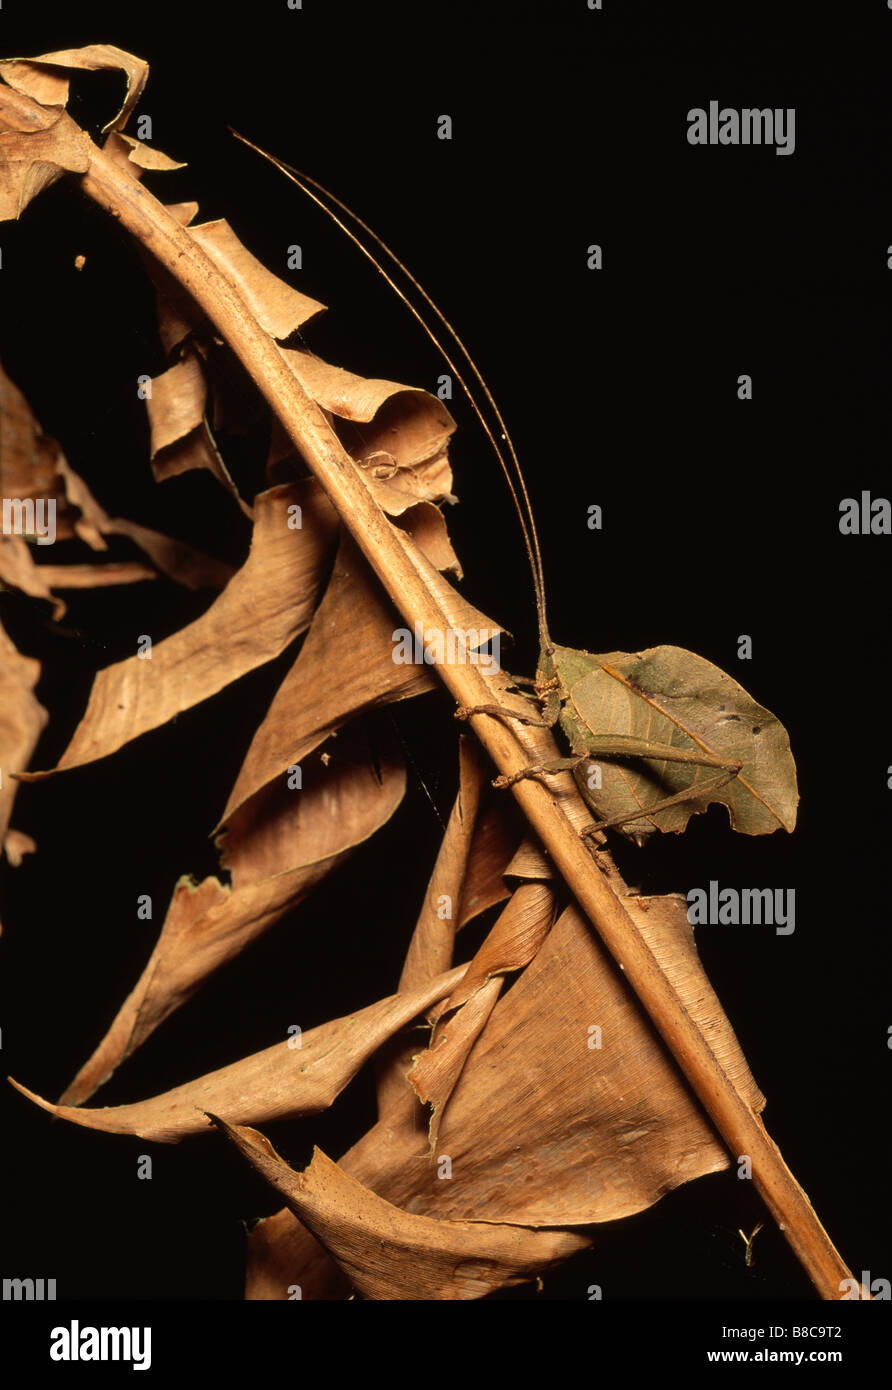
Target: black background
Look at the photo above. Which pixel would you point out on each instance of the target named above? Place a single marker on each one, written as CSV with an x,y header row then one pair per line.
x,y
620,388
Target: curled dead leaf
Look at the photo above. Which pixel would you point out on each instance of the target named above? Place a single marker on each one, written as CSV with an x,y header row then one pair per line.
x,y
275,855
43,78
353,629
282,1082
387,1253
16,845
33,469
181,439
37,146
22,719
544,1127
263,608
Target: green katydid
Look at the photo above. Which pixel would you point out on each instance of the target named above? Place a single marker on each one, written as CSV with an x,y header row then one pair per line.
x,y
655,736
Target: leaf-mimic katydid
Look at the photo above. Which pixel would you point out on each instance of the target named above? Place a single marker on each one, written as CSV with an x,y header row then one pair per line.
x,y
655,736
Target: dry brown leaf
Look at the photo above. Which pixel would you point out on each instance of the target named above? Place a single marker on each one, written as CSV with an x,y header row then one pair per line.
x,y
512,941
475,852
37,146
180,562
435,1071
95,576
511,944
603,1131
22,718
184,213
280,1083
543,1129
460,615
178,314
398,434
181,438
90,517
354,617
176,405
360,398
33,465
663,921
273,1260
414,425
42,84
281,456
145,156
292,840
387,1253
119,150
430,949
183,563
278,307
530,861
16,845
38,78
426,525
431,945
492,849
18,571
263,608
282,1253
136,155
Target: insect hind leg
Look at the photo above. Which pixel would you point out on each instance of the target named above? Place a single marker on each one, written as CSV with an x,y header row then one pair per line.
x,y
692,793
498,712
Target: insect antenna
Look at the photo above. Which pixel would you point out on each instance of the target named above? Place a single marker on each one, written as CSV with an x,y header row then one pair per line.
x,y
514,476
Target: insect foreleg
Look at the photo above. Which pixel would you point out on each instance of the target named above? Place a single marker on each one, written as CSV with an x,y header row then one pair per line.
x,y
546,694
537,769
466,711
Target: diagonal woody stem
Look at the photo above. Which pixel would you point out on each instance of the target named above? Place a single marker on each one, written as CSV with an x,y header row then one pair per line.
x,y
555,813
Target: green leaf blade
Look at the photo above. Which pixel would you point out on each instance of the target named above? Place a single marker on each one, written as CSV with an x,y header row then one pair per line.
x,y
675,699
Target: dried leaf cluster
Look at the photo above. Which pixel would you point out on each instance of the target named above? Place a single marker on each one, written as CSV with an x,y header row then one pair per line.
x,y
506,1131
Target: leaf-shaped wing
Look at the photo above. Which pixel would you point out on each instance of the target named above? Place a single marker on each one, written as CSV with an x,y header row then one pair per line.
x,y
673,698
